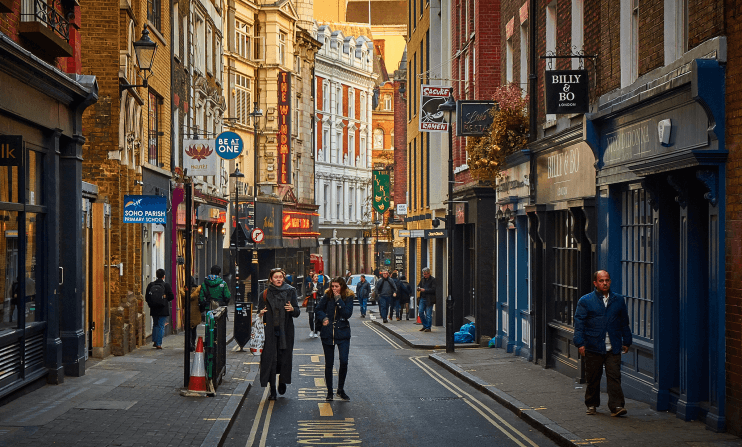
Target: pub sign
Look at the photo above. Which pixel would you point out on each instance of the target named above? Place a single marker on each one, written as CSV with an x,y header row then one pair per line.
x,y
474,118
431,119
567,91
284,127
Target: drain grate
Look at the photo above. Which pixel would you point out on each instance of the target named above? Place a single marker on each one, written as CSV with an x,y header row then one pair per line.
x,y
438,399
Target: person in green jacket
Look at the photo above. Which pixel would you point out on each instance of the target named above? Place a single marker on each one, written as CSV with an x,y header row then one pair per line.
x,y
215,288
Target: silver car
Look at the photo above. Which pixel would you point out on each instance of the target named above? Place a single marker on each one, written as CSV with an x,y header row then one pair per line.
x,y
355,279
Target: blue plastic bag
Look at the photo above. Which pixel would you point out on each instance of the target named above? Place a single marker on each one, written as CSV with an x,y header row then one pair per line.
x,y
470,328
463,337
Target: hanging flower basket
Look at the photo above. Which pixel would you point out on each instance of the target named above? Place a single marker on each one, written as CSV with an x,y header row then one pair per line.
x,y
507,134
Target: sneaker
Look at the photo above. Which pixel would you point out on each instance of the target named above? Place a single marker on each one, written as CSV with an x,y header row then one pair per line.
x,y
281,388
329,396
363,315
386,321
591,410
316,334
620,411
343,396
311,334
427,330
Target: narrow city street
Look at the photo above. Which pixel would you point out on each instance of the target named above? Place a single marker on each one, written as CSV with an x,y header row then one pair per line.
x,y
398,397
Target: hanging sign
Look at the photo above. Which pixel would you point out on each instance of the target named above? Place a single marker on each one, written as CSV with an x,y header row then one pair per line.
x,y
296,223
436,234
432,119
382,186
229,145
473,118
567,91
11,150
145,209
284,128
199,157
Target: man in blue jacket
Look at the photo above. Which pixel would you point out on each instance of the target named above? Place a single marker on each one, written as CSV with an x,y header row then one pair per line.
x,y
602,333
363,291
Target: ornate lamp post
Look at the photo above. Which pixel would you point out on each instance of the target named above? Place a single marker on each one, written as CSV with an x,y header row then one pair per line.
x,y
449,109
237,176
255,115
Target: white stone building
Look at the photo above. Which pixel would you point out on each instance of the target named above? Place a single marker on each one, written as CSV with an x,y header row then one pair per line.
x,y
344,90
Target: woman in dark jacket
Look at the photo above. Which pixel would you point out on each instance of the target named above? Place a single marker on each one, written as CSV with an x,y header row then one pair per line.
x,y
334,310
313,293
278,307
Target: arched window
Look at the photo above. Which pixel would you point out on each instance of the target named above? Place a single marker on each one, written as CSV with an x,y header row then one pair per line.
x,y
388,102
379,139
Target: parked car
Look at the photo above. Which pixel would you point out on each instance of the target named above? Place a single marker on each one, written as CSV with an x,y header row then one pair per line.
x,y
355,279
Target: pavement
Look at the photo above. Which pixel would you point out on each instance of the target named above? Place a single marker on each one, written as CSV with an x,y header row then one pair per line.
x,y
132,400
552,402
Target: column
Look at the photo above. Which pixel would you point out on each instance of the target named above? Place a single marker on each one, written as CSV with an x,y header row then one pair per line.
x,y
354,256
333,200
330,269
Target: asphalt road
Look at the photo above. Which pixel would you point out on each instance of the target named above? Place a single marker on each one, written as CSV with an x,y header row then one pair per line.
x,y
397,398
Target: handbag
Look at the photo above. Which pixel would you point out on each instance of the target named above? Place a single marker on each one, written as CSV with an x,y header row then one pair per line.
x,y
257,335
306,301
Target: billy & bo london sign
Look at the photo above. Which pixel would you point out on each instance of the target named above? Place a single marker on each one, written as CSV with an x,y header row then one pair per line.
x,y
567,91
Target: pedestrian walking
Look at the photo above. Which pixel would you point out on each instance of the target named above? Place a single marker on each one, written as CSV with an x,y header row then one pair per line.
x,y
397,307
334,310
158,296
278,307
363,291
602,334
426,288
314,292
347,276
386,290
215,289
404,292
196,310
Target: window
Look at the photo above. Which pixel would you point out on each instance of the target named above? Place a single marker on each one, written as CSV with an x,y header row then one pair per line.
x,y
524,57
508,61
242,39
295,119
209,49
176,31
242,99
339,100
577,29
154,130
388,102
282,48
351,200
363,107
326,203
153,12
566,272
629,35
362,161
297,64
198,42
676,29
351,104
325,96
185,38
351,148
339,203
326,146
338,148
637,260
378,139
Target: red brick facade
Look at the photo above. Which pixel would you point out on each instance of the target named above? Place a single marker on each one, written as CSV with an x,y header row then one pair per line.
x,y
400,142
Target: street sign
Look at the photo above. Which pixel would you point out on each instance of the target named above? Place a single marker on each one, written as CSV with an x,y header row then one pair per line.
x,y
257,235
145,209
229,145
401,209
436,234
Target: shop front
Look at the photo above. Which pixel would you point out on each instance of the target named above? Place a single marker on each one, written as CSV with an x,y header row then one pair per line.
x,y
511,258
660,233
299,231
42,315
561,240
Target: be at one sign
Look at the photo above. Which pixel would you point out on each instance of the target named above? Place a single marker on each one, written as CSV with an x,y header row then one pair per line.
x,y
567,91
229,145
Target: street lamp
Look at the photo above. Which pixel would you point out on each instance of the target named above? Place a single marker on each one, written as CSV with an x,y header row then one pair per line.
x,y
255,115
144,50
449,109
237,175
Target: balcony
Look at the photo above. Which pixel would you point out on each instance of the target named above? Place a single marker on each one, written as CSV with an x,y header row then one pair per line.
x,y
6,6
44,25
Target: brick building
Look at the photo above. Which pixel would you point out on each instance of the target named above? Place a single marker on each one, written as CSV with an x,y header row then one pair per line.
x,y
43,316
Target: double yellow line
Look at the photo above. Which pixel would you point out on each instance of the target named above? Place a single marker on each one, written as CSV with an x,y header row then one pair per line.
x,y
381,334
486,412
258,417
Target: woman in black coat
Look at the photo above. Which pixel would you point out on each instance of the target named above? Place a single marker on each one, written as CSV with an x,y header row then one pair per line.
x,y
278,307
334,311
313,294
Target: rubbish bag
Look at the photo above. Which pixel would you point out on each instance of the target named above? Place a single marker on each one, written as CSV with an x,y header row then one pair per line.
x,y
491,344
257,335
470,328
463,337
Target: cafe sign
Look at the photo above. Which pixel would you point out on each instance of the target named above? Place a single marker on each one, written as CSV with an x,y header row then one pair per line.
x,y
567,91
473,118
432,119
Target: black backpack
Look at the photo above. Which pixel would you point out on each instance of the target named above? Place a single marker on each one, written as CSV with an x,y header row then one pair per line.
x,y
156,295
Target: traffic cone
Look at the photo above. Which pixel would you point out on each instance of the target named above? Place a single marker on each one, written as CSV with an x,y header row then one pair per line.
x,y
418,320
197,382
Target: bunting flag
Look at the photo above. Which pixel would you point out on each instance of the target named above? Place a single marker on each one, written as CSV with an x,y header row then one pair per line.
x,y
382,191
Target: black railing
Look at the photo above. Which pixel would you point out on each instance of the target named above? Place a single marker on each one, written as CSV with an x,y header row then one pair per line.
x,y
46,13
215,349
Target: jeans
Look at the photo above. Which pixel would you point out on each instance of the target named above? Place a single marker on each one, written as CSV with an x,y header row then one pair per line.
x,y
384,302
364,304
343,349
397,308
425,311
594,372
158,329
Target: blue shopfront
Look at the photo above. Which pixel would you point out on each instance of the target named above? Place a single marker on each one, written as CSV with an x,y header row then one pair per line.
x,y
660,227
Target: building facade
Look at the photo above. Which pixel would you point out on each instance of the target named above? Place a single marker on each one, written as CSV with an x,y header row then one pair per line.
x,y
344,84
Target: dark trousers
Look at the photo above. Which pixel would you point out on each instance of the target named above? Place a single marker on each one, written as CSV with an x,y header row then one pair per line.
x,y
343,349
276,366
594,363
311,322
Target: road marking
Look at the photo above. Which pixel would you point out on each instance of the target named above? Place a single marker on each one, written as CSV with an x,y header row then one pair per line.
x,y
328,432
251,363
266,424
325,409
256,422
386,338
315,359
471,400
319,382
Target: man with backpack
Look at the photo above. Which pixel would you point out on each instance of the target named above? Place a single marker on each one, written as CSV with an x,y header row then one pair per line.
x,y
215,289
158,296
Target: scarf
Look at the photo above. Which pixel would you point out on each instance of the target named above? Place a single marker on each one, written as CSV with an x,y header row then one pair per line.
x,y
277,297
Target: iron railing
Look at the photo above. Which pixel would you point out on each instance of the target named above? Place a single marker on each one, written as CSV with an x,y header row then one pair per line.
x,y
215,349
48,14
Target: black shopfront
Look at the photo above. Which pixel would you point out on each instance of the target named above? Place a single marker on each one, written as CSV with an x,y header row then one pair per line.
x,y
42,327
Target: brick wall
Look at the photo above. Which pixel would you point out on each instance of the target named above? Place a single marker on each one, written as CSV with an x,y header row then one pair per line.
x,y
734,219
400,143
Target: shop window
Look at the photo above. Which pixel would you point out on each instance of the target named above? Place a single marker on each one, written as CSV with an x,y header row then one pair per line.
x,y
637,260
33,223
8,184
35,175
566,269
9,270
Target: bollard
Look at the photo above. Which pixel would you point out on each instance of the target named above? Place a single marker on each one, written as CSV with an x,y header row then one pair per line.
x,y
449,324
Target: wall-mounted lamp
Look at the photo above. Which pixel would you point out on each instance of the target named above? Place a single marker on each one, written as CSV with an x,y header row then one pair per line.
x,y
145,50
